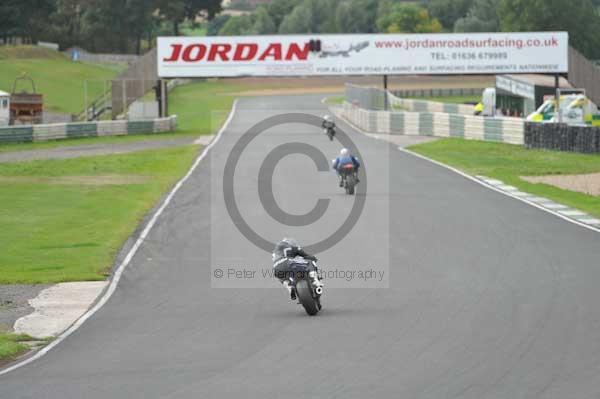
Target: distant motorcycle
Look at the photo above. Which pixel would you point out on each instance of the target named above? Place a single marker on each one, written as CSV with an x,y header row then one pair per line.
x,y
349,178
330,132
308,289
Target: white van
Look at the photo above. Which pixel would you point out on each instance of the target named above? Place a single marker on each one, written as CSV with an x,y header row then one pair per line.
x,y
4,108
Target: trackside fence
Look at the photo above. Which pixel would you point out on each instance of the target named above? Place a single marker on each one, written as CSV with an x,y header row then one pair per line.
x,y
562,137
370,98
471,91
406,104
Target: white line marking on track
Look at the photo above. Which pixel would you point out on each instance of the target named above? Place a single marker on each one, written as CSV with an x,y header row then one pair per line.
x,y
539,200
572,212
554,205
508,194
508,188
590,220
119,270
493,182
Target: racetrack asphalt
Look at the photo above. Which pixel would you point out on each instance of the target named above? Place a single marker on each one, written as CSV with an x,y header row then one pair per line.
x,y
488,297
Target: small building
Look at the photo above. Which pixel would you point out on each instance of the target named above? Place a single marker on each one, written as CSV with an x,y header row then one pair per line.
x,y
520,95
26,107
4,108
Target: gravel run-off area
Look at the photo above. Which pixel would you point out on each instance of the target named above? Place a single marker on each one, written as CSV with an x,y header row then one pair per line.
x,y
587,184
14,302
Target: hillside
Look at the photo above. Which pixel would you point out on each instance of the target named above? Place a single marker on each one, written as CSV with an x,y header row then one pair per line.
x,y
59,79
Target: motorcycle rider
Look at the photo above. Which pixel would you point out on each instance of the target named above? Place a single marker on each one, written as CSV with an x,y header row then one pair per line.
x,y
286,253
345,158
328,124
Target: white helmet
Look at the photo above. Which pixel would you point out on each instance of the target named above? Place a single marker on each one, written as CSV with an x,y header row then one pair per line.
x,y
327,117
290,241
344,152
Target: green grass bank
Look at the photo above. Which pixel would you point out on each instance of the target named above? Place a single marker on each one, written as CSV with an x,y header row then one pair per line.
x,y
60,80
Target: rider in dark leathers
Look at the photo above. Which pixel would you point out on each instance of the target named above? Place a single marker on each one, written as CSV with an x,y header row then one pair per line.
x,y
287,252
328,124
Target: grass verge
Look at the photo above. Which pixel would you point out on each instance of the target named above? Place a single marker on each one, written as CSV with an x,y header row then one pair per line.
x,y
508,163
47,145
65,220
11,345
335,100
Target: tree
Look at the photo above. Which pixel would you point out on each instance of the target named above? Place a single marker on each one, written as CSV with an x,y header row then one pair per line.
x,y
311,16
32,18
299,21
263,23
482,17
241,5
204,8
357,16
9,19
140,19
409,18
237,26
67,21
106,27
579,18
278,9
173,12
386,7
177,11
449,11
324,16
216,24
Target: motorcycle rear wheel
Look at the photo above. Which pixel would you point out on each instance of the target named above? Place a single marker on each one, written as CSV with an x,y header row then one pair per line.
x,y
304,293
350,183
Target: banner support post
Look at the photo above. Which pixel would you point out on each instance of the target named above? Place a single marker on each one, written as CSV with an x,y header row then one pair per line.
x,y
385,96
165,98
557,97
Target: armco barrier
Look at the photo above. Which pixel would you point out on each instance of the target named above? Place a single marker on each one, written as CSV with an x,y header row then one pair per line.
x,y
14,134
439,124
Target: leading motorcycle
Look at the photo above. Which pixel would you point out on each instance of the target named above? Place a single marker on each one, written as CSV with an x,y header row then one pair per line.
x,y
330,132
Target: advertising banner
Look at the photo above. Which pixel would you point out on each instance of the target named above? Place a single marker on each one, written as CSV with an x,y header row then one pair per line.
x,y
515,87
363,54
